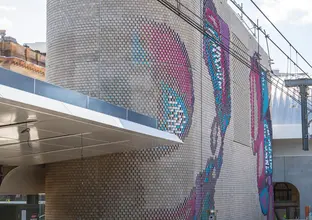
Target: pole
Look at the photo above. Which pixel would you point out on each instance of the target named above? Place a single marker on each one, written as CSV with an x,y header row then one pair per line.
x,y
303,85
304,117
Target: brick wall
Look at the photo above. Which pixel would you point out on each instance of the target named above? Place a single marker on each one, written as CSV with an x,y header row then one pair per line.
x,y
139,55
23,67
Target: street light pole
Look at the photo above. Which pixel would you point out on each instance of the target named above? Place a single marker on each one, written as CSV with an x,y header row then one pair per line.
x,y
303,85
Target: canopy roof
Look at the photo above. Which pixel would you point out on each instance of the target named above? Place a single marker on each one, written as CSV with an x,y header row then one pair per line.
x,y
42,123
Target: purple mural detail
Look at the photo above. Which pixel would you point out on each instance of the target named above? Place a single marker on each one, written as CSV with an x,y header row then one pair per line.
x,y
201,198
215,47
161,49
262,140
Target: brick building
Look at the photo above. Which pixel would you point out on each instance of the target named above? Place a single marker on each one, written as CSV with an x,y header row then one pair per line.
x,y
21,59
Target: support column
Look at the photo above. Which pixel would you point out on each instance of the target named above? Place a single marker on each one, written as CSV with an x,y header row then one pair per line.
x,y
303,85
304,117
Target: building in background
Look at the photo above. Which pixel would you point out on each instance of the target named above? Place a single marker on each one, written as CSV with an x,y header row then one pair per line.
x,y
40,46
292,165
21,59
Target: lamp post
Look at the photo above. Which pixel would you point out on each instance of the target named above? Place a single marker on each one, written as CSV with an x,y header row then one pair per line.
x,y
303,85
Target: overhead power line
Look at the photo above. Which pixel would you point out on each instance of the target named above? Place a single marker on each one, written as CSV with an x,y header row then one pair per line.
x,y
290,44
278,83
268,37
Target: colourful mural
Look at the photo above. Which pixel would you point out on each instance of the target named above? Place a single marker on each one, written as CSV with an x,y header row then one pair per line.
x,y
261,134
161,49
217,60
201,198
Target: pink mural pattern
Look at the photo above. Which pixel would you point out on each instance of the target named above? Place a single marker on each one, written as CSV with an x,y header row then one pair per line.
x,y
261,134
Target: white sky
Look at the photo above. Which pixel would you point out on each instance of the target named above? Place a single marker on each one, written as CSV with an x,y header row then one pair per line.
x,y
26,21
294,19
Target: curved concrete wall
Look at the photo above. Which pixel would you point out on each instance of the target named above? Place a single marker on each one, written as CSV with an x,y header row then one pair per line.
x,y
139,55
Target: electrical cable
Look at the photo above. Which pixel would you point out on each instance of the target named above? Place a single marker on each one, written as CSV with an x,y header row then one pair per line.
x,y
289,59
27,130
201,107
232,43
225,37
278,47
267,36
266,17
255,25
227,49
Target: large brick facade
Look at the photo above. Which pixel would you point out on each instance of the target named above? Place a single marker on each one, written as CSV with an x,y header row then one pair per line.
x,y
139,55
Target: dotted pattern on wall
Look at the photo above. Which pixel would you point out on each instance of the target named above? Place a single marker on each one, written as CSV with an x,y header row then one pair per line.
x,y
139,62
241,103
154,44
139,55
262,140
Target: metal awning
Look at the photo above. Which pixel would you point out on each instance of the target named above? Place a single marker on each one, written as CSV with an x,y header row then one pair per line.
x,y
38,127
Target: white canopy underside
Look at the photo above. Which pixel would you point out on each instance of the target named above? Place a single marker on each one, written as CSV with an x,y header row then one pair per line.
x,y
59,131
